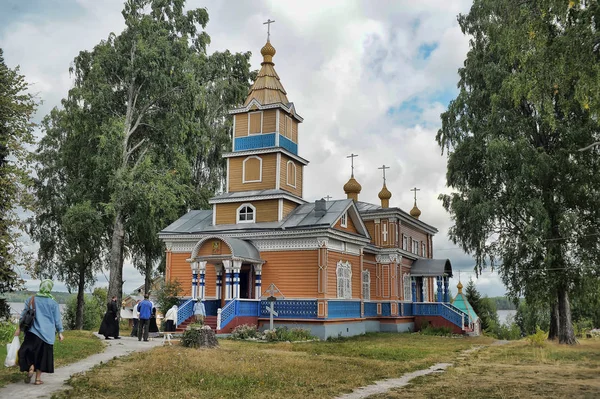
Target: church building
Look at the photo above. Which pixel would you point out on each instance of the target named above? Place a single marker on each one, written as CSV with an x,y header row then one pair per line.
x,y
337,267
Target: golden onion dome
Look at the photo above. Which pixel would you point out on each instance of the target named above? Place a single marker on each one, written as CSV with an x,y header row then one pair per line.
x,y
352,186
460,287
415,212
385,194
268,51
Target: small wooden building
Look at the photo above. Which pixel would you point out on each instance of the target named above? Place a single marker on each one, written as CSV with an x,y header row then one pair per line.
x,y
341,267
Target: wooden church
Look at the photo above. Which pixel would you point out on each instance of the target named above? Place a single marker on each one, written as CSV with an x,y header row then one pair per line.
x,y
340,267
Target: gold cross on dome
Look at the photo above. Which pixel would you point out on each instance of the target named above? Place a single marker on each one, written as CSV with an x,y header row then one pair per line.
x,y
384,168
268,23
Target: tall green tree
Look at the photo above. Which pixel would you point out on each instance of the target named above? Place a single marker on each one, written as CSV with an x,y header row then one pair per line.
x,y
16,109
155,94
69,222
526,200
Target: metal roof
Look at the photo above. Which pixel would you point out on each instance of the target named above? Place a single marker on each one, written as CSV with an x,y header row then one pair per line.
x,y
461,302
255,194
431,267
240,249
303,217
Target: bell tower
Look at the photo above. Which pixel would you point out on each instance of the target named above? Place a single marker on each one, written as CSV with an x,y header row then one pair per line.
x,y
264,172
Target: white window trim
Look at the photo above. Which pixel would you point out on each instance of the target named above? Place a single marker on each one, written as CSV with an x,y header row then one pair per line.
x,y
366,285
244,170
423,250
344,220
343,274
287,172
261,122
237,213
407,287
288,135
404,242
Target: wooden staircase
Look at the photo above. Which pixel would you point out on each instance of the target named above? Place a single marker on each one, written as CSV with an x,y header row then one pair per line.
x,y
210,321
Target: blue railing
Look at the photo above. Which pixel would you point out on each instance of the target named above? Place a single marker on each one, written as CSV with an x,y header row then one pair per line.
x,y
445,310
288,144
343,309
370,309
386,309
247,308
297,309
185,311
255,141
228,312
406,309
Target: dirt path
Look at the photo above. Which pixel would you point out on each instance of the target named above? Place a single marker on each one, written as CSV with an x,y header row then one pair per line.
x,y
56,382
385,385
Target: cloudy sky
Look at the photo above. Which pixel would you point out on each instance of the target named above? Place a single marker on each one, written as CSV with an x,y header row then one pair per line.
x,y
369,77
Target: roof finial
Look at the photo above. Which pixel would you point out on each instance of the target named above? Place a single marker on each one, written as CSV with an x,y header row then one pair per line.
x,y
352,156
268,23
415,212
384,194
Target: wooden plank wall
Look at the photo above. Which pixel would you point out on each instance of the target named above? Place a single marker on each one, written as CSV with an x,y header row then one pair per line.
x,y
293,272
241,125
333,258
351,227
283,176
269,172
266,211
269,120
288,206
180,271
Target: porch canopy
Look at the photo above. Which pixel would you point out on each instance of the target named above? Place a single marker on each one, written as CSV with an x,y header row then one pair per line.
x,y
240,250
431,268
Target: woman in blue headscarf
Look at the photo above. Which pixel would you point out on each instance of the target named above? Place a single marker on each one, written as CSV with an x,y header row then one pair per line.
x,y
37,352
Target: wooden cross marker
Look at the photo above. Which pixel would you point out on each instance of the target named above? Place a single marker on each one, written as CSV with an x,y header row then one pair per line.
x,y
384,168
415,190
352,156
268,23
272,291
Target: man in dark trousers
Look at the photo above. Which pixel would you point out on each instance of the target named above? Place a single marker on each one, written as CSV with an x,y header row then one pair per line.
x,y
145,309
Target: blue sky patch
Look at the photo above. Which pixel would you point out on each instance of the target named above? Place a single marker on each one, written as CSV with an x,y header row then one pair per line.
x,y
426,49
12,11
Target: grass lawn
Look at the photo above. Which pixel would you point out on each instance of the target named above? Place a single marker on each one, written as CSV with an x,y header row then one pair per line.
x,y
516,370
273,370
76,346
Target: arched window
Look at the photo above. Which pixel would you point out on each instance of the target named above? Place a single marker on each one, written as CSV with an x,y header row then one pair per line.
x,y
246,213
291,174
366,285
344,279
252,169
407,287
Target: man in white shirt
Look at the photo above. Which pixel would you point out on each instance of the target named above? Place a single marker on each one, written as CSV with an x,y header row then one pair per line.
x,y
136,318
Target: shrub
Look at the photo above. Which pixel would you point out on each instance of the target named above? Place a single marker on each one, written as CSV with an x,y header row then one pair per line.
x,y
167,295
539,339
94,307
438,331
582,327
244,331
283,334
7,331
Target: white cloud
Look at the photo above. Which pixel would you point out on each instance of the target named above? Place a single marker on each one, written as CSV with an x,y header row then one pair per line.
x,y
347,65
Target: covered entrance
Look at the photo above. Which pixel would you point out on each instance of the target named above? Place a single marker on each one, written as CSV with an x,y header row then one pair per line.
x,y
225,268
421,269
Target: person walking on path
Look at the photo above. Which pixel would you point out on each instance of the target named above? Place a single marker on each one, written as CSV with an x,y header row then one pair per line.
x,y
199,311
37,352
110,323
136,319
145,309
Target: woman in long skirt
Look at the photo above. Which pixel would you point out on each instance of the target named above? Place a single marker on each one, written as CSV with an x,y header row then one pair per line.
x,y
36,355
171,319
110,322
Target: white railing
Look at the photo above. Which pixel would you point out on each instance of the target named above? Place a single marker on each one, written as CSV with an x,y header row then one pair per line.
x,y
226,313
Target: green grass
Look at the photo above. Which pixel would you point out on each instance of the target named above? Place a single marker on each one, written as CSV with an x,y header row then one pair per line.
x,y
76,346
241,369
516,370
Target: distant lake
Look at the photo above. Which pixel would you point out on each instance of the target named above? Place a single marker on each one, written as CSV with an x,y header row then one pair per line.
x,y
504,315
17,307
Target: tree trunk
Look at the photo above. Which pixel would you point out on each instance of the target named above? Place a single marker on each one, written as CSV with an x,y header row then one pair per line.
x,y
80,299
148,273
115,283
565,332
554,320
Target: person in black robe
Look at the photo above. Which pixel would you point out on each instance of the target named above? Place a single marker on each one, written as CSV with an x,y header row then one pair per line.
x,y
153,327
110,323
